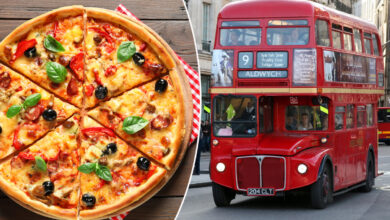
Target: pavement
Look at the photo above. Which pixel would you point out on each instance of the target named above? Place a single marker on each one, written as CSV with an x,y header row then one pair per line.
x,y
203,179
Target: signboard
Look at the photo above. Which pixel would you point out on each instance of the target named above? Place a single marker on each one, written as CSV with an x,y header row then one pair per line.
x,y
262,74
341,67
222,68
272,59
245,60
304,67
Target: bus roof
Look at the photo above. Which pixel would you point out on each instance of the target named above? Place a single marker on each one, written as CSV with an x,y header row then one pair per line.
x,y
289,8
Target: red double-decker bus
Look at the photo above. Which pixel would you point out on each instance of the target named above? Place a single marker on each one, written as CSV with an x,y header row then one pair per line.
x,y
384,124
294,91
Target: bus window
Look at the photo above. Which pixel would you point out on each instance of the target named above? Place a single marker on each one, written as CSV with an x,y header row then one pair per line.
x,y
360,116
266,114
383,115
234,116
240,36
349,119
339,117
322,33
347,41
287,36
358,40
370,115
367,42
305,117
375,44
336,36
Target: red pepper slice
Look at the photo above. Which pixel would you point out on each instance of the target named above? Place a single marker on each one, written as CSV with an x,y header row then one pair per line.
x,y
89,90
110,70
77,65
27,155
16,143
97,78
109,39
142,47
94,130
23,46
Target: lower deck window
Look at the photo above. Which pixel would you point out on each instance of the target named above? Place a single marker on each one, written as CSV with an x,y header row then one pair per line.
x,y
305,117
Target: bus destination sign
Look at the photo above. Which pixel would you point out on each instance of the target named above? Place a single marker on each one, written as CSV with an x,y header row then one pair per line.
x,y
272,59
262,74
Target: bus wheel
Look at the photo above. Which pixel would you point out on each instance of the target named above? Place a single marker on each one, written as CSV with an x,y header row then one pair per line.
x,y
321,191
387,142
222,195
370,181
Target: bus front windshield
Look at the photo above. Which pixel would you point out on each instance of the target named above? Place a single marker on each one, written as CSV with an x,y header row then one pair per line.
x,y
287,36
305,118
234,116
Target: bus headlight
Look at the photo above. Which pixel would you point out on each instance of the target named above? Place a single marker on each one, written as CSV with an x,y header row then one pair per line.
x,y
324,140
302,168
215,142
220,167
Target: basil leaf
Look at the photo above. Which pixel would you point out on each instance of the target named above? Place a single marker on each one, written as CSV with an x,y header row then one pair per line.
x,y
103,173
56,72
13,110
32,100
132,124
125,51
87,168
52,44
40,163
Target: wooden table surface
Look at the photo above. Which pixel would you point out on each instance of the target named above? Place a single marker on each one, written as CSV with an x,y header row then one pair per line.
x,y
169,19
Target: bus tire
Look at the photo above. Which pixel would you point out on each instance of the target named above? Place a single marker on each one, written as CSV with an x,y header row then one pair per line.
x,y
321,192
370,175
387,142
222,195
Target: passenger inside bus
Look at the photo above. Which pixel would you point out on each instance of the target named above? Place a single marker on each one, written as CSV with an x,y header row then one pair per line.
x,y
305,123
234,38
291,122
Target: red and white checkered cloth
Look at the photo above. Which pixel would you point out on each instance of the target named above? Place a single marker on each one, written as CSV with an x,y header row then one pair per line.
x,y
193,78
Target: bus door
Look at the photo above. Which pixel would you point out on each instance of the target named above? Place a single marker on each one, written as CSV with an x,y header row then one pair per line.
x,y
265,115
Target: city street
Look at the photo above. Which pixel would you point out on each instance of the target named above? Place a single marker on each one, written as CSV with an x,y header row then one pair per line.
x,y
353,205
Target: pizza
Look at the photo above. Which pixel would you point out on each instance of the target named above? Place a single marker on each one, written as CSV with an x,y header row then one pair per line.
x,y
156,104
92,117
27,112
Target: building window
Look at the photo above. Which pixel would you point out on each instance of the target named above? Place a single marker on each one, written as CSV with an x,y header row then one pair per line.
x,y
206,42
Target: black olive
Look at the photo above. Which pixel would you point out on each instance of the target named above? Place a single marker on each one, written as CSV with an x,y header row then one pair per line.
x,y
110,149
101,92
143,163
48,186
31,52
139,59
161,85
49,114
89,200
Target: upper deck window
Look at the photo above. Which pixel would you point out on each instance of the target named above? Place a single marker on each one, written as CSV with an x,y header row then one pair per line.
x,y
240,24
367,42
358,40
322,33
287,22
288,36
347,41
240,36
375,44
336,36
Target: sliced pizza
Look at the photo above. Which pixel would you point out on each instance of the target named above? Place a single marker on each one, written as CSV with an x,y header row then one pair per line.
x,y
120,55
149,117
49,50
27,112
113,174
45,176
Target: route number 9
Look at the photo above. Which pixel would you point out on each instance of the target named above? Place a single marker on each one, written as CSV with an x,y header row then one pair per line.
x,y
245,60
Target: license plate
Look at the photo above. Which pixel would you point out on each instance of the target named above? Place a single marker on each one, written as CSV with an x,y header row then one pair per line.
x,y
261,192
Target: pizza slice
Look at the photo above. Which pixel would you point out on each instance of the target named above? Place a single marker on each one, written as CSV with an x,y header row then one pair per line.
x,y
45,175
149,117
49,50
113,174
27,112
121,54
